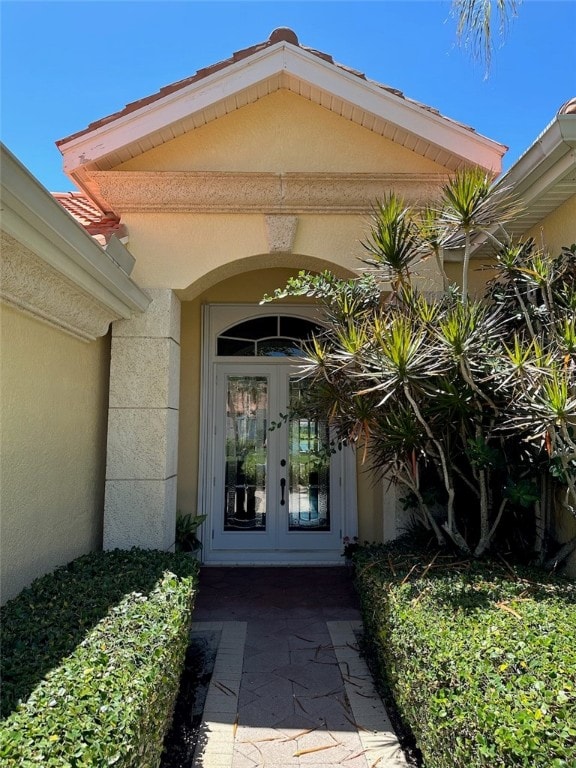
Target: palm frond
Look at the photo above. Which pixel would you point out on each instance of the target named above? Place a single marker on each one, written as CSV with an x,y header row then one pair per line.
x,y
475,25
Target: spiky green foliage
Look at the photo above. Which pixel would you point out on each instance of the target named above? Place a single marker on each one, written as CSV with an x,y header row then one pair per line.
x,y
480,394
392,241
473,205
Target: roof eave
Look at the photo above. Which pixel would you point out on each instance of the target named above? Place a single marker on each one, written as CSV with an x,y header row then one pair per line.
x,y
86,149
549,159
544,155
33,217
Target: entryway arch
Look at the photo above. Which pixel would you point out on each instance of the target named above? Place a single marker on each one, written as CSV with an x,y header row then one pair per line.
x,y
219,288
257,274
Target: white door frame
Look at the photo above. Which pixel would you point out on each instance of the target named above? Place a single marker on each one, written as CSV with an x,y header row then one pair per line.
x,y
216,318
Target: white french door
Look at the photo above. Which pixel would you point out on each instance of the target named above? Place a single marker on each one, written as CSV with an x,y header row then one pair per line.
x,y
274,484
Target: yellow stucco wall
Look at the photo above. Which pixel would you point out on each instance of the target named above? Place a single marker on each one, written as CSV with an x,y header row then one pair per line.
x,y
250,286
54,394
564,530
283,132
225,257
552,233
478,274
557,229
280,133
174,250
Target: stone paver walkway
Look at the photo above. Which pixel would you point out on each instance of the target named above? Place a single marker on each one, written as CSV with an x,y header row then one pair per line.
x,y
289,687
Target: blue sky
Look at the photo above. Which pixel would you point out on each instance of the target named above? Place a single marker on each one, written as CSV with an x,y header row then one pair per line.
x,y
65,64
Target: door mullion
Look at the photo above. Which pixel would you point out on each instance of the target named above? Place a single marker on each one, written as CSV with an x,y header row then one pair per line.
x,y
281,454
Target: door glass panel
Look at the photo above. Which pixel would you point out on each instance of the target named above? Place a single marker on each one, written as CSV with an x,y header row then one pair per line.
x,y
309,463
269,336
246,434
278,347
236,347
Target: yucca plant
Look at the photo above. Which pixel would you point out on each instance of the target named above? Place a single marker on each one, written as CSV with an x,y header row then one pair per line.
x,y
471,204
536,374
393,242
479,393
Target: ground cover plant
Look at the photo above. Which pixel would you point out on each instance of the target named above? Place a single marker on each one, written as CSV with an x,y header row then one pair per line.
x,y
479,657
91,660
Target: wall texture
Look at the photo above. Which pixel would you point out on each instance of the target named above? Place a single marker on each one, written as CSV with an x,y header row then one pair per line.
x,y
178,236
233,251
54,395
229,210
287,133
557,229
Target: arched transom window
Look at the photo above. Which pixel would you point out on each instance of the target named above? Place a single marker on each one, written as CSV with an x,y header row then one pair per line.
x,y
266,336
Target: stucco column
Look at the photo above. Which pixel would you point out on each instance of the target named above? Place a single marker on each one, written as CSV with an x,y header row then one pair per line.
x,y
142,454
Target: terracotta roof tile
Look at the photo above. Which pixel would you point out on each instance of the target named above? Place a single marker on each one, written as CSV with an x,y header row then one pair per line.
x,y
100,225
278,35
79,206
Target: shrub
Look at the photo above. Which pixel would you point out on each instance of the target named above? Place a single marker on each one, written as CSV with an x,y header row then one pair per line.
x,y
478,657
468,406
91,660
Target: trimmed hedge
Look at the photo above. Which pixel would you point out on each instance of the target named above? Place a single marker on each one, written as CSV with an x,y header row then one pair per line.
x,y
91,660
479,658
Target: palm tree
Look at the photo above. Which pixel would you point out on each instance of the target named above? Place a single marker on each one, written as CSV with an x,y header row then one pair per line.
x,y
475,25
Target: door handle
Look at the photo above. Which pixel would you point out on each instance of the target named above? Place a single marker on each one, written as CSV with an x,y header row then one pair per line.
x,y
282,488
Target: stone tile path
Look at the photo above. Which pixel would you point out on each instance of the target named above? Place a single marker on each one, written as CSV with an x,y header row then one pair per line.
x,y
289,687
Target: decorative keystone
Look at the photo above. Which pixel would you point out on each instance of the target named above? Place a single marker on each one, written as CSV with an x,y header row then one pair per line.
x,y
281,232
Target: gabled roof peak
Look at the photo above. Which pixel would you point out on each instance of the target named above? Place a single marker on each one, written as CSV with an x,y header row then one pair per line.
x,y
279,63
569,107
278,35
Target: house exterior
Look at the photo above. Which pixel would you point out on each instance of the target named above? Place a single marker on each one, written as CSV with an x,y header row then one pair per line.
x,y
59,292
221,187
228,183
545,179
